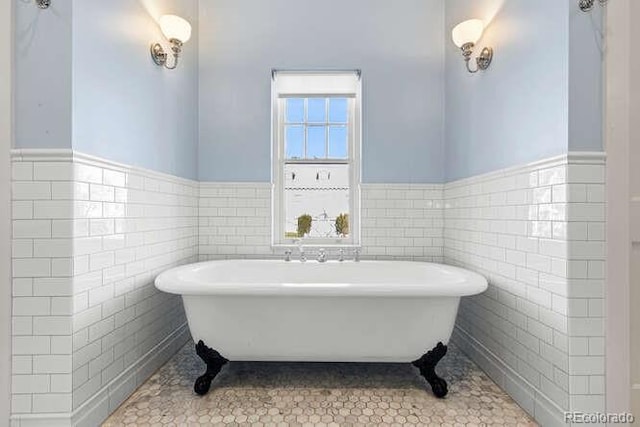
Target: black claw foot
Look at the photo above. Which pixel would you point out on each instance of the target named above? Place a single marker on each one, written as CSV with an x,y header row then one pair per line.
x,y
439,387
214,362
427,365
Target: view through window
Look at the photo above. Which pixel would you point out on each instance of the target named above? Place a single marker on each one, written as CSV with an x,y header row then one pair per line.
x,y
316,129
318,149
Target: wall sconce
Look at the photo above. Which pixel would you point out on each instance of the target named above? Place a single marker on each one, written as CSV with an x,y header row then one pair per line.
x,y
178,31
43,4
587,5
465,35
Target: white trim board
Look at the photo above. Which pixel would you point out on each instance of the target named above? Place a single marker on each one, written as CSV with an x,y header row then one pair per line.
x,y
67,155
618,139
571,158
6,136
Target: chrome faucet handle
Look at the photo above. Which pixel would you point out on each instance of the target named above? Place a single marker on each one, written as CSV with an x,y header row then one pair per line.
x,y
341,255
322,255
303,256
356,254
287,255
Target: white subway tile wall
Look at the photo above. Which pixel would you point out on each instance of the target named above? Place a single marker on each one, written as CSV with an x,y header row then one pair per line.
x,y
403,221
88,239
399,221
89,236
42,295
539,328
234,220
586,198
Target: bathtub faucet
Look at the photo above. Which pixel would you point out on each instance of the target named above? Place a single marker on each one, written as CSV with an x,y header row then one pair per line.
x,y
322,255
356,254
303,256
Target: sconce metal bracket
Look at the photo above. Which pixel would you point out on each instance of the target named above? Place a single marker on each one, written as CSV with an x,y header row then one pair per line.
x,y
482,61
158,54
43,4
587,5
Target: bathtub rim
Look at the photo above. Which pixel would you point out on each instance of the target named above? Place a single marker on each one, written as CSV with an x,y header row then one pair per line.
x,y
168,281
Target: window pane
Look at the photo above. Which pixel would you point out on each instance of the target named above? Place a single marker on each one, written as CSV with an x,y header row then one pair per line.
x,y
338,142
295,110
294,142
317,201
316,142
317,110
338,110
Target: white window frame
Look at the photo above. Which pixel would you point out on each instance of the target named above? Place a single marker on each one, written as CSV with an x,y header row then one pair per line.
x,y
278,158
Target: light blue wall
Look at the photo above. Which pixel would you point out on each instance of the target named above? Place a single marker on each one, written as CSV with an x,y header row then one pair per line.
x,y
125,108
43,75
85,80
397,44
541,96
586,79
517,110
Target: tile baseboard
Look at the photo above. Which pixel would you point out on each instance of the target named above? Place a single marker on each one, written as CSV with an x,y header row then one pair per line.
x,y
95,410
534,402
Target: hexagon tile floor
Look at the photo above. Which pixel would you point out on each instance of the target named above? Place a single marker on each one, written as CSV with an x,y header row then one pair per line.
x,y
318,394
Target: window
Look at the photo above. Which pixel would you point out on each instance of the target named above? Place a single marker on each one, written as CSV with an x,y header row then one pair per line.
x,y
316,158
316,128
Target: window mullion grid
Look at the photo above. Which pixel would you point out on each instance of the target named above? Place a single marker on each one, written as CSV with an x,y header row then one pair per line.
x,y
305,130
326,128
350,130
282,118
326,124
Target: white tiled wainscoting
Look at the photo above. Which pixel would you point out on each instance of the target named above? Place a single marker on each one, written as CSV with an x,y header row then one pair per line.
x,y
399,221
89,236
537,233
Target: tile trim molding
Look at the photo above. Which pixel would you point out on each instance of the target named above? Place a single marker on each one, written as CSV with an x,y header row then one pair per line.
x,y
261,184
572,158
38,154
401,186
68,155
364,185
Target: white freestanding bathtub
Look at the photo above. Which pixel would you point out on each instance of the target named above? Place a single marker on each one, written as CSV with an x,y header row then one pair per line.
x,y
272,310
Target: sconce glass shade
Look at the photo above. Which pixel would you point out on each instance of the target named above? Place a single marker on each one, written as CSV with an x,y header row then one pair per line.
x,y
175,28
467,32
